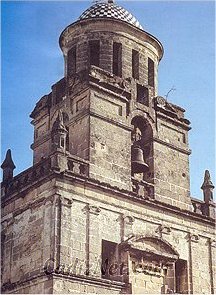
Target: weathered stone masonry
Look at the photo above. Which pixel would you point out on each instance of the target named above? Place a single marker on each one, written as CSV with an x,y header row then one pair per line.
x,y
110,183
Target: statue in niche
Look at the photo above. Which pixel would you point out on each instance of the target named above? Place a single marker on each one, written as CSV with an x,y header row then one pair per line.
x,y
136,135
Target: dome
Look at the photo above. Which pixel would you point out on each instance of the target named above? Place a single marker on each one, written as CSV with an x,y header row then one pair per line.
x,y
110,10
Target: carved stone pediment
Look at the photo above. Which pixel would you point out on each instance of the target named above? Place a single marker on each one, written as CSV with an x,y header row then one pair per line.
x,y
152,245
106,78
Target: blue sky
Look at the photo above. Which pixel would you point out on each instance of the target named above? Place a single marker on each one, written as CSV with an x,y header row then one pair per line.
x,y
32,62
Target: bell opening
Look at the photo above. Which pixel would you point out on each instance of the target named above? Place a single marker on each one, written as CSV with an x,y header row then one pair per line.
x,y
139,167
138,164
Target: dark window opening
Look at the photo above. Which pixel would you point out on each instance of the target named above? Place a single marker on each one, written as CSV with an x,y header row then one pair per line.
x,y
94,53
151,74
109,260
117,59
181,276
135,64
142,94
62,143
71,61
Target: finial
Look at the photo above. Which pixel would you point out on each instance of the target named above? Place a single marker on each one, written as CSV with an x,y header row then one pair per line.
x,y
8,166
207,183
110,1
207,187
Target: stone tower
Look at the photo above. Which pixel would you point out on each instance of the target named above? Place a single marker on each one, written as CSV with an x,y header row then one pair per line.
x,y
106,206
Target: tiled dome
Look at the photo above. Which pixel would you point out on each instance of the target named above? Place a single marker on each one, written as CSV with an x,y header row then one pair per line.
x,y
110,10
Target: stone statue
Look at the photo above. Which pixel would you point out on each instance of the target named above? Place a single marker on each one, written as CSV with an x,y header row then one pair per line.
x,y
136,134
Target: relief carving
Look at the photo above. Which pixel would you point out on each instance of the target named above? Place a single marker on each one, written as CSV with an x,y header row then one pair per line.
x,y
213,243
193,237
162,229
105,77
92,209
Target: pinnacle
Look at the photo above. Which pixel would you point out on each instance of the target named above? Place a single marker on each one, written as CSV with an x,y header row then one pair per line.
x,y
207,180
8,162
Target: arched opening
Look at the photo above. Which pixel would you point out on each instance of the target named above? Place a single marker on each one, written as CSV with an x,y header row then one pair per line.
x,y
141,149
151,73
71,61
117,59
94,53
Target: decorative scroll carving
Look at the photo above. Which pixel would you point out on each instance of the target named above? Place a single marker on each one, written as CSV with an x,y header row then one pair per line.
x,y
128,219
92,209
213,243
161,102
66,202
193,237
162,229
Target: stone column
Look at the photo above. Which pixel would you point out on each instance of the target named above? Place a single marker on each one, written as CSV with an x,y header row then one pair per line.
x,y
170,285
212,264
48,251
60,247
7,256
93,241
56,230
65,232
192,238
126,226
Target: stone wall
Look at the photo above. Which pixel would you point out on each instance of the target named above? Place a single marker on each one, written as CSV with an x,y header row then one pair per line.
x,y
27,234
67,221
171,164
110,141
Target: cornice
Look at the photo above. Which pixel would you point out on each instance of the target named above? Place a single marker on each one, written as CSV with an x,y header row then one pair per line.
x,y
74,178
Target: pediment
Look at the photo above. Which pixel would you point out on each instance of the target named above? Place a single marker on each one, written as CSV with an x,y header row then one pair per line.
x,y
153,245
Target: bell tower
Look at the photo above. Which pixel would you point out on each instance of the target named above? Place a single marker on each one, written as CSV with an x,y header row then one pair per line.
x,y
105,208
114,118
